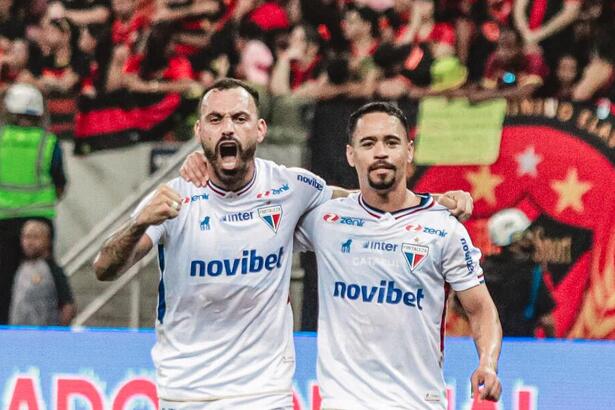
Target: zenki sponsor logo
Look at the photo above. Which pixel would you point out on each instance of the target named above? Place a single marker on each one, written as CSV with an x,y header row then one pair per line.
x,y
426,229
331,218
310,181
344,220
387,292
273,192
195,198
249,262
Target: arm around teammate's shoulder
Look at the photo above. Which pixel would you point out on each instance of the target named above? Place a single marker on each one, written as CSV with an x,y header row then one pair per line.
x,y
130,243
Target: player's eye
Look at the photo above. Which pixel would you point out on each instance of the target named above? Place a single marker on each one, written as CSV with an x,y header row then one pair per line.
x,y
215,119
241,119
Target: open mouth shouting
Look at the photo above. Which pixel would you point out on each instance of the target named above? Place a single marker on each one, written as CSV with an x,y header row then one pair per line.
x,y
228,153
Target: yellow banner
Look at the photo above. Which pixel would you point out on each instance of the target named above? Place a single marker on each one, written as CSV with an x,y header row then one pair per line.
x,y
455,132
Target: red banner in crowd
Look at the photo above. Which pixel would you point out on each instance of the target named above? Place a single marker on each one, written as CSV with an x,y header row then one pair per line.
x,y
557,164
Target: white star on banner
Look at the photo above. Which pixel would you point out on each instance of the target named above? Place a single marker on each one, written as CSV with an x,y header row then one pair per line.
x,y
528,161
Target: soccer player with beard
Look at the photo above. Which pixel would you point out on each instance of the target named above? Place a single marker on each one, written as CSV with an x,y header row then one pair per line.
x,y
224,324
387,258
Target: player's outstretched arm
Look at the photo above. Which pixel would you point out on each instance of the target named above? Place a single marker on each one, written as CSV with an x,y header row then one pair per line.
x,y
129,243
487,334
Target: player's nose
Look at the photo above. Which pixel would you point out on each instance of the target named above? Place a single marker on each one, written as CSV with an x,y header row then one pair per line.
x,y
380,151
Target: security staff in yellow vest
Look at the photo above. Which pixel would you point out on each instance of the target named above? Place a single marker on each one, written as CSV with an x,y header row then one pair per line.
x,y
31,177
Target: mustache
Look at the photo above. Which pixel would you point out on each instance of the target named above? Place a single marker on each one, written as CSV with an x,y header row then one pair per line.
x,y
381,165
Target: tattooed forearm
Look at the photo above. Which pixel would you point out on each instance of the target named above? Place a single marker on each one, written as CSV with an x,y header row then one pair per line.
x,y
118,251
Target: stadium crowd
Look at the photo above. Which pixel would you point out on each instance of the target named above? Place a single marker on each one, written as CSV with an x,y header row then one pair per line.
x,y
133,69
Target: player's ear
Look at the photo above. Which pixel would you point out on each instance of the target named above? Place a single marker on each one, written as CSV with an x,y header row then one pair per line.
x,y
197,129
410,151
261,130
350,155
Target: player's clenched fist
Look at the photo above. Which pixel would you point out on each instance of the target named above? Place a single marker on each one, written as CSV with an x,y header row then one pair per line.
x,y
485,381
164,204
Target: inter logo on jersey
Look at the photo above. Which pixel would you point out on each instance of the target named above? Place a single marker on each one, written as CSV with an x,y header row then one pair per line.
x,y
414,254
271,215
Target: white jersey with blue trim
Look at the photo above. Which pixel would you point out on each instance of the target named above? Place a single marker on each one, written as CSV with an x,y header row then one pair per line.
x,y
383,280
224,326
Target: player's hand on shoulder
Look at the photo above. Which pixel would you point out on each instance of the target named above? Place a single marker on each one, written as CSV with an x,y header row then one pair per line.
x,y
459,202
194,169
164,204
486,384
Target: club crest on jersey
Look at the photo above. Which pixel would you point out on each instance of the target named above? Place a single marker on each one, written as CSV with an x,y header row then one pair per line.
x,y
271,215
414,254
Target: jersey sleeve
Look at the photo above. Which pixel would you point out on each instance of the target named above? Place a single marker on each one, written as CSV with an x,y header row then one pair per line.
x,y
460,260
305,232
315,190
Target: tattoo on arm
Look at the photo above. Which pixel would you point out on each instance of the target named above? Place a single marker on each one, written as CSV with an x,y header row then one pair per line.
x,y
118,252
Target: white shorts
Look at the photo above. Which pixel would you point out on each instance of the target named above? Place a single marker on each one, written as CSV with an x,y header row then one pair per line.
x,y
271,401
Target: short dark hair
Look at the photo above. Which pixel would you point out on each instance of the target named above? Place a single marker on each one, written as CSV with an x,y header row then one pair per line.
x,y
229,84
379,106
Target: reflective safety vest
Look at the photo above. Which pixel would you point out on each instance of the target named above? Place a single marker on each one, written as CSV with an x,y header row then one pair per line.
x,y
26,186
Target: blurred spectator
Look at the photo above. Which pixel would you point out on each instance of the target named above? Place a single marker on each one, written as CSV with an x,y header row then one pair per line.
x,y
157,70
20,63
598,79
128,23
12,20
514,280
510,72
562,81
60,52
299,63
80,12
548,24
255,58
360,27
95,47
31,178
478,35
194,21
423,27
41,294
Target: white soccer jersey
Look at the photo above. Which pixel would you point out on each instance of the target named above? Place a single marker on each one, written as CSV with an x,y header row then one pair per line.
x,y
383,280
224,325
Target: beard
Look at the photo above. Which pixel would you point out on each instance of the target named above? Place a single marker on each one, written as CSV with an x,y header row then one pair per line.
x,y
230,178
381,183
